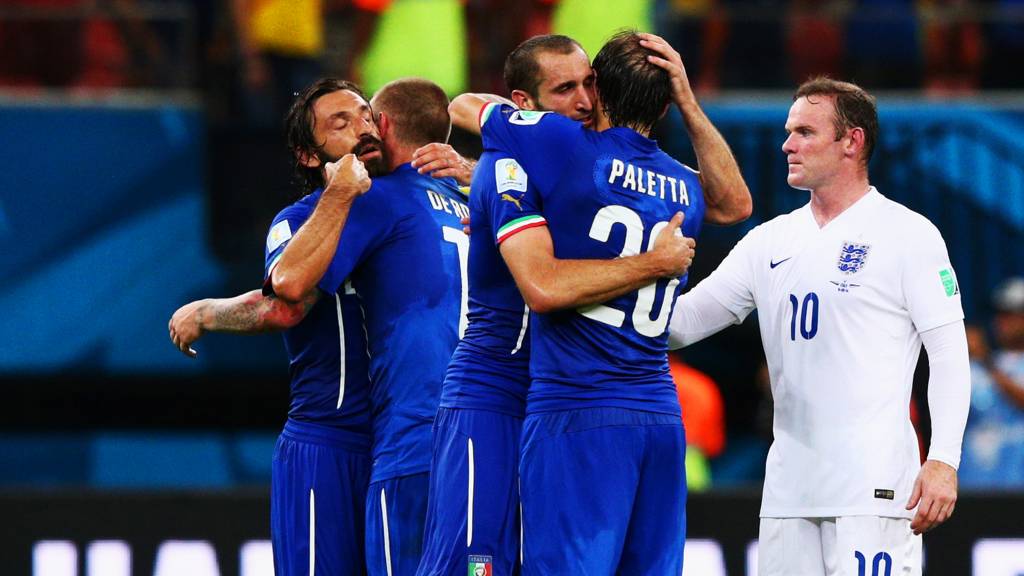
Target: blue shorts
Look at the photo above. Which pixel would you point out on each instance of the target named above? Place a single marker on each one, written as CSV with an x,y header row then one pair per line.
x,y
473,511
318,489
396,509
604,492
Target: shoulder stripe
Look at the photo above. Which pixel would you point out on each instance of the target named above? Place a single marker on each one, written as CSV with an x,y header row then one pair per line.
x,y
518,225
486,111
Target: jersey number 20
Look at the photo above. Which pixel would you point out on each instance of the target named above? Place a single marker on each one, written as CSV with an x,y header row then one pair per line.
x,y
601,230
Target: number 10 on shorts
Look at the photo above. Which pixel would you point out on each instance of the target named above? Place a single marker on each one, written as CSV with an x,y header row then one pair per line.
x,y
876,564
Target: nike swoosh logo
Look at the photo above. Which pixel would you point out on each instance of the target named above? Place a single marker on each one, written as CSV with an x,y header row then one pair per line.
x,y
774,264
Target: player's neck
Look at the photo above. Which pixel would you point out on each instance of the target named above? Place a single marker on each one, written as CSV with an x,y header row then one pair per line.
x,y
828,202
398,154
602,123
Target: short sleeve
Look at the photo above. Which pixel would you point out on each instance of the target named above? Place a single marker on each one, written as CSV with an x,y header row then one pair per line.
x,y
731,284
930,288
369,224
285,225
514,204
540,141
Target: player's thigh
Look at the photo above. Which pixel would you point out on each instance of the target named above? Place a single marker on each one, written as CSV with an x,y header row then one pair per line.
x,y
578,476
657,526
790,547
473,506
876,546
396,511
317,499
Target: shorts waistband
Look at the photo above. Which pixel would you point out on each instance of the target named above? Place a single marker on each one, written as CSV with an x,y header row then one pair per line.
x,y
326,435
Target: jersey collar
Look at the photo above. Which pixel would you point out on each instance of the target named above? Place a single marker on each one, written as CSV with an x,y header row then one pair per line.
x,y
634,138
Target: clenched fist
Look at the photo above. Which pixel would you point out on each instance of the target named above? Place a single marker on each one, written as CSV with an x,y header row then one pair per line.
x,y
347,177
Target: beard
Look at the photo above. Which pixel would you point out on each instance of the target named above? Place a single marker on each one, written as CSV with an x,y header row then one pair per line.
x,y
374,166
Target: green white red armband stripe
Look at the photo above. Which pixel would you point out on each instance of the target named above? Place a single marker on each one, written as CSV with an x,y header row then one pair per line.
x,y
520,224
486,111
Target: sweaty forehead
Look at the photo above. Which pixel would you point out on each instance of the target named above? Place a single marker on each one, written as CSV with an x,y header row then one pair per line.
x,y
338,102
814,111
556,68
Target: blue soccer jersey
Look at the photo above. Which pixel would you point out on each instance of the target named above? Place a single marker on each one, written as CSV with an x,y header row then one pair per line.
x,y
602,195
472,516
327,357
490,367
321,466
405,252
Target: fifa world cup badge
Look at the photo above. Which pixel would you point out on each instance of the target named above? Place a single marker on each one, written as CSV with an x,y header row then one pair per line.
x,y
480,566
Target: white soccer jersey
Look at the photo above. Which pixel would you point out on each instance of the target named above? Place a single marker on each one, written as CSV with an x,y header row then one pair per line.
x,y
840,310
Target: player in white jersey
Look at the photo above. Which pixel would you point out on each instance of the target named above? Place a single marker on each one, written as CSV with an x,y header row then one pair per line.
x,y
847,288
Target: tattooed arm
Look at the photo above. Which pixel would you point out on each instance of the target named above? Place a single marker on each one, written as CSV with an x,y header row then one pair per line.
x,y
249,313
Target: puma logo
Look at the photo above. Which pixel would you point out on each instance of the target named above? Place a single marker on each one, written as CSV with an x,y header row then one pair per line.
x,y
510,198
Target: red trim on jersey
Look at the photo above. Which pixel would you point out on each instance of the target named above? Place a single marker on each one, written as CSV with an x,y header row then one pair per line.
x,y
480,114
520,229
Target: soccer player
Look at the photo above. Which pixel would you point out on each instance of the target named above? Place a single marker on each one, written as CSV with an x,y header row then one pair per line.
x,y
549,72
602,418
476,437
402,248
847,289
321,466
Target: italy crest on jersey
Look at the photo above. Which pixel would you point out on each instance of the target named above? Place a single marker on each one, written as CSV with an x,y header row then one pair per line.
x,y
852,257
480,565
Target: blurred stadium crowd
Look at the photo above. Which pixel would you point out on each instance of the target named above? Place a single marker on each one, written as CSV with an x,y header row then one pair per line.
x,y
935,45
245,58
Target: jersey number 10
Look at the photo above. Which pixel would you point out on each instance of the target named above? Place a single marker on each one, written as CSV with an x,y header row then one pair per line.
x,y
808,313
601,230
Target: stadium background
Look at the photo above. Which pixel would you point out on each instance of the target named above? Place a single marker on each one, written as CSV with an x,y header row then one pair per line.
x,y
141,161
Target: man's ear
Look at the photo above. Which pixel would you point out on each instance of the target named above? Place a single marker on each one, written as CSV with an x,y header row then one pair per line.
x,y
383,125
855,146
523,100
307,158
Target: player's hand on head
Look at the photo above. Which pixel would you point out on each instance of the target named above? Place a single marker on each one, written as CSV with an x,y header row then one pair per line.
x,y
347,176
442,161
186,326
669,59
674,250
934,496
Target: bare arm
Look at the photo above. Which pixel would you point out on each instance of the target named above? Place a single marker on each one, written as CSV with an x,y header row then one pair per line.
x,y
465,109
725,192
249,313
309,253
548,284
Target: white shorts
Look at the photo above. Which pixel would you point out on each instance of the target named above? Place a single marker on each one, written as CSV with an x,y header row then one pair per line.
x,y
843,546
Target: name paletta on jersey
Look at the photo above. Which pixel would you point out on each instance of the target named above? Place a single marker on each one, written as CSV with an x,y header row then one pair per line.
x,y
647,182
